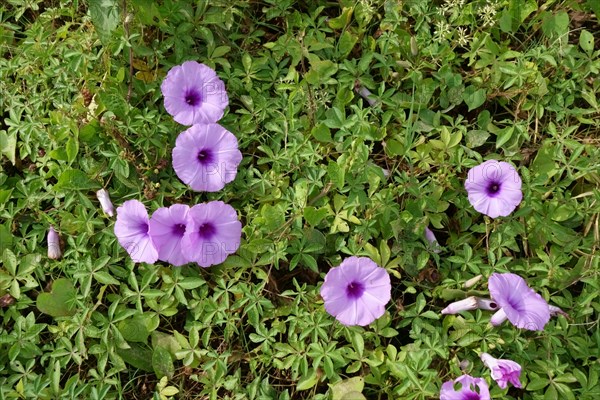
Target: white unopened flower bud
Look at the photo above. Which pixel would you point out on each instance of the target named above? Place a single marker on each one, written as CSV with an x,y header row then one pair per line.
x,y
54,251
473,281
107,205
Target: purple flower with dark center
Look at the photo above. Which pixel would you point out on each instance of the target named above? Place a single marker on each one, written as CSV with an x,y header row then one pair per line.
x,y
523,307
194,94
494,188
213,232
206,157
465,387
503,371
356,291
132,228
167,227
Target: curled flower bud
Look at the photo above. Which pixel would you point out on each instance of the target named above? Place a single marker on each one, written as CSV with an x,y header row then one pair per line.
x,y
54,251
554,311
430,236
105,203
367,95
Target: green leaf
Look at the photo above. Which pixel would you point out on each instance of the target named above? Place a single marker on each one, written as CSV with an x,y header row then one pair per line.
x,y
314,215
162,363
166,341
60,301
146,11
544,163
74,179
336,174
105,17
134,329
5,195
586,41
320,70
8,145
556,25
220,51
191,282
343,20
89,133
321,132
137,356
394,147
6,238
9,259
476,138
504,136
105,278
474,97
169,391
308,381
594,5
346,43
348,389
72,148
114,101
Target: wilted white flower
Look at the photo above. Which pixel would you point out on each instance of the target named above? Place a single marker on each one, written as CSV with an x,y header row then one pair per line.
x,y
107,205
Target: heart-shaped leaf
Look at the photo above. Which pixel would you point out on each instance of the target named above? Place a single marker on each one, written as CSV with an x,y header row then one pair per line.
x,y
60,301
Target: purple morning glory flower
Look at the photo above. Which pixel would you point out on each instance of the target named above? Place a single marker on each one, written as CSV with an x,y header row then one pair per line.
x,y
167,227
494,188
465,387
503,371
131,230
206,157
356,291
523,307
213,232
194,94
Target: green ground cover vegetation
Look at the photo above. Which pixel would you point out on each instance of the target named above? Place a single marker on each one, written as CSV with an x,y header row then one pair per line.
x,y
326,174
